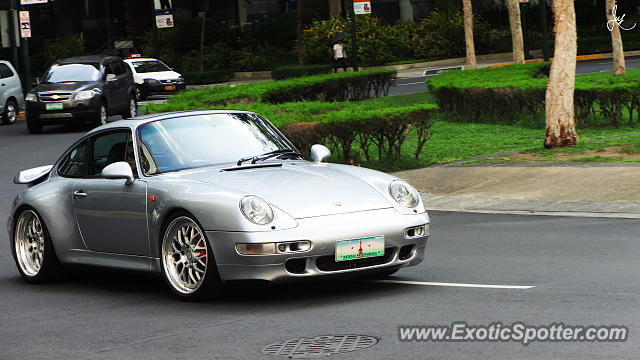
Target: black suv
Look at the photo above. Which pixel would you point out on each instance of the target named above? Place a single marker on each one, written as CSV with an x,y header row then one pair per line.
x,y
87,88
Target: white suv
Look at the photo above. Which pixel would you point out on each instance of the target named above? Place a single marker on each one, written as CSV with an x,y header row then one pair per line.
x,y
11,95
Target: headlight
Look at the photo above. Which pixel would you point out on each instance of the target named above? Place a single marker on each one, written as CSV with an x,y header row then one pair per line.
x,y
151,81
85,94
180,79
31,97
404,193
256,210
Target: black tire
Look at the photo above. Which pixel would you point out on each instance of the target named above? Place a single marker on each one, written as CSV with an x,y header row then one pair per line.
x,y
21,245
141,93
10,112
209,286
102,115
132,108
33,124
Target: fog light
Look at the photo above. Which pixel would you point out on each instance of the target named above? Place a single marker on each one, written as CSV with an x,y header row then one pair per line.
x,y
256,249
282,247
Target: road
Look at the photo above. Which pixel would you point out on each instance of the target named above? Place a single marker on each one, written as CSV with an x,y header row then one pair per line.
x,y
416,84
585,271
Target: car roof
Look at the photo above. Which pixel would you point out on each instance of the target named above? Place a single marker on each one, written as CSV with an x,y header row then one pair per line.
x,y
85,59
136,122
140,59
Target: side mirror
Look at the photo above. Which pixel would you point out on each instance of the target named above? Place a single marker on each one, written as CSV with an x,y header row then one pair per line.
x,y
118,170
110,77
320,153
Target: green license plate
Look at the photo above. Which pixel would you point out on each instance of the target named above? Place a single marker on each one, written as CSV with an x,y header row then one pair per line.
x,y
362,248
54,106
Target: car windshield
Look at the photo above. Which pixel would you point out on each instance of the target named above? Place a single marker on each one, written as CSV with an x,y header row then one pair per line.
x,y
202,140
72,73
149,66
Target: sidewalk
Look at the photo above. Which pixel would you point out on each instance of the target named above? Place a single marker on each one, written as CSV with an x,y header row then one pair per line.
x,y
602,190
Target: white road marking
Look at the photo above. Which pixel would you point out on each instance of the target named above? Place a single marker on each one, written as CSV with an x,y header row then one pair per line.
x,y
413,83
483,286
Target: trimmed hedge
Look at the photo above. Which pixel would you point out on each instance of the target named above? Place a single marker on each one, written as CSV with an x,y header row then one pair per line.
x,y
329,87
503,94
294,71
208,77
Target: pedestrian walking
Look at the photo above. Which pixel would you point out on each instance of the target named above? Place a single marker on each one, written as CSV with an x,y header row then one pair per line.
x,y
339,56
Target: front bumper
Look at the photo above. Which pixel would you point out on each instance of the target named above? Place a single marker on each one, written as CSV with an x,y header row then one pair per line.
x,y
71,109
322,232
163,88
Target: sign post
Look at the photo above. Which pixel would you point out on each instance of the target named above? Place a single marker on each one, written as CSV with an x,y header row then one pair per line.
x,y
362,7
162,18
25,25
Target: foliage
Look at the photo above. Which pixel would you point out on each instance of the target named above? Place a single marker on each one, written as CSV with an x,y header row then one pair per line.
x,y
63,47
509,93
293,71
208,77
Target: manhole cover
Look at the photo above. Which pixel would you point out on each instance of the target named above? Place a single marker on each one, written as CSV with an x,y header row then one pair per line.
x,y
320,346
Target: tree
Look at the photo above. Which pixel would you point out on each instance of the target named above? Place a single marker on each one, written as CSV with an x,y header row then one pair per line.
x,y
468,34
616,39
299,42
561,127
516,31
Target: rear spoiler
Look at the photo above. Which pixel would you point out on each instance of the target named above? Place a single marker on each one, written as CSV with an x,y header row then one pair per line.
x,y
31,176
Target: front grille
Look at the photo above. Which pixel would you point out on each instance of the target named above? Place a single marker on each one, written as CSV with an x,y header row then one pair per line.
x,y
54,96
329,263
167,82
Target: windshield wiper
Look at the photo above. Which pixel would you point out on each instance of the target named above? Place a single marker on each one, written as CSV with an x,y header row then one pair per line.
x,y
269,155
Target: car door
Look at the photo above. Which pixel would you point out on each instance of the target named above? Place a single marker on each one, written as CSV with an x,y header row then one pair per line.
x,y
111,215
122,83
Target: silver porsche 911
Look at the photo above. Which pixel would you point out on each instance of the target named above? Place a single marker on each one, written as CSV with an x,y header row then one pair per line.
x,y
209,197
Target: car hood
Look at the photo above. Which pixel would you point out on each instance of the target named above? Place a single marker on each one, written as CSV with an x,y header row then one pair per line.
x,y
70,86
300,189
159,75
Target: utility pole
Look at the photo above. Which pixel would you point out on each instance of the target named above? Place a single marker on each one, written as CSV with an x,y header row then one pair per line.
x,y
354,41
12,35
155,29
543,26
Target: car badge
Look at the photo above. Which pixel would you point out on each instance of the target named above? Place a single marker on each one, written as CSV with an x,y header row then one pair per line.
x,y
337,203
54,97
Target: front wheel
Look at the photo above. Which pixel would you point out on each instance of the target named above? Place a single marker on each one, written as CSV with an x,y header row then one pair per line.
x,y
32,249
33,124
188,265
10,112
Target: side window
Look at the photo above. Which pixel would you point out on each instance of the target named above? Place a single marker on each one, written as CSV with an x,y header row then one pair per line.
x,y
108,69
74,164
107,149
5,71
118,67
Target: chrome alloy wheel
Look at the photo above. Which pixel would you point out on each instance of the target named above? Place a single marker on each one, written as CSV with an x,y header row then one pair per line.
x,y
11,112
103,114
184,255
29,243
133,108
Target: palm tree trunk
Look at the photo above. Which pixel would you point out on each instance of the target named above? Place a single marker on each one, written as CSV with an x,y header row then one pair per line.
x,y
616,40
516,31
561,128
468,34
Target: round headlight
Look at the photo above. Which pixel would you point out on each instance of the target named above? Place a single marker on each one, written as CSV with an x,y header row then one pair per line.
x,y
404,194
84,94
256,210
31,97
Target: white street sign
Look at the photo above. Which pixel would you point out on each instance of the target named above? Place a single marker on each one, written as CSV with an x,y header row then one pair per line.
x,y
25,24
31,2
362,7
164,21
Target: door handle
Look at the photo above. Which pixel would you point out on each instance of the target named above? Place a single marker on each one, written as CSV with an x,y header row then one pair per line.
x,y
79,194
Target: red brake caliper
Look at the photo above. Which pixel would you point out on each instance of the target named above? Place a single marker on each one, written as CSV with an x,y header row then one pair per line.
x,y
202,252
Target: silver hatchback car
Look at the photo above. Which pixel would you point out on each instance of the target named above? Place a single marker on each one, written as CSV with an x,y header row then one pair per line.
x,y
11,95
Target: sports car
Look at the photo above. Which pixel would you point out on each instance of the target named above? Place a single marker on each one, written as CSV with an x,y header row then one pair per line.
x,y
209,197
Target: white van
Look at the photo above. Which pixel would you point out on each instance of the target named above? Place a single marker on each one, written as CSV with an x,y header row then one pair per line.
x,y
11,95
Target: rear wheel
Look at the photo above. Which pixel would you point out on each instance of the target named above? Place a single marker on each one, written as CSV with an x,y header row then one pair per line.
x,y
188,265
32,249
101,115
132,109
10,112
33,124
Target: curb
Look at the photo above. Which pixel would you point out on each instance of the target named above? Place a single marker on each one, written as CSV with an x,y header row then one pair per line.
x,y
578,58
627,210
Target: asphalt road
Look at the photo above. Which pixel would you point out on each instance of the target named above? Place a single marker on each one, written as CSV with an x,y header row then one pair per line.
x,y
416,84
585,272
